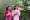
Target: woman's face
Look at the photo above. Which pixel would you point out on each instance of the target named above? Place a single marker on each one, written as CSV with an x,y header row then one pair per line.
x,y
9,7
16,7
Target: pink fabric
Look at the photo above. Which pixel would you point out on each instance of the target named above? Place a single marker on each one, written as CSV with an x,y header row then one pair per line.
x,y
8,17
16,17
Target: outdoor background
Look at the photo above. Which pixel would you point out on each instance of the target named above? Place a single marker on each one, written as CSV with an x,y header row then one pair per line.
x,y
24,4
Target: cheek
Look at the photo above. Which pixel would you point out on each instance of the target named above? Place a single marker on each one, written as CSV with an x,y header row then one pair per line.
x,y
9,8
16,7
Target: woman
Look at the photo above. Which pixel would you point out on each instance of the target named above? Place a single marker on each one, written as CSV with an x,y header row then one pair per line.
x,y
18,6
19,10
8,13
16,13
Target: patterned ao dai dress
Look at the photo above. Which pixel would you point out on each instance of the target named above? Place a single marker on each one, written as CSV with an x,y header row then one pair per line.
x,y
8,17
16,17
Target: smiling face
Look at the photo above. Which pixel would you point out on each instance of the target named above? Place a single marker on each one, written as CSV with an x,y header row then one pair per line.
x,y
16,7
9,7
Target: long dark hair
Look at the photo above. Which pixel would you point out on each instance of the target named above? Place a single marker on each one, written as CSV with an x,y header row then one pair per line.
x,y
7,7
14,7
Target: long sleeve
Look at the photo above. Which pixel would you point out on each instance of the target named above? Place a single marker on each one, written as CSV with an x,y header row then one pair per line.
x,y
5,13
13,13
19,13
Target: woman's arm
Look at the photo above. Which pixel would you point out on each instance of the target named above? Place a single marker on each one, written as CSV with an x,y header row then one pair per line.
x,y
13,13
7,13
19,13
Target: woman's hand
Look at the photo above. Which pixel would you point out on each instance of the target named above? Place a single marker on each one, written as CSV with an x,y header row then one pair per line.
x,y
16,14
7,14
12,14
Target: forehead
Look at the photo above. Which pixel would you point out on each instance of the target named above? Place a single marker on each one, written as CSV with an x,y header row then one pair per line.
x,y
9,6
17,6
